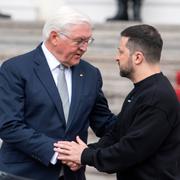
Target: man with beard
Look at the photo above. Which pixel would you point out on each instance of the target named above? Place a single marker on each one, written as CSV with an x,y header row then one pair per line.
x,y
50,94
144,144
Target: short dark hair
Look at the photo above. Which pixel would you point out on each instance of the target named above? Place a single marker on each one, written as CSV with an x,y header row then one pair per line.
x,y
144,38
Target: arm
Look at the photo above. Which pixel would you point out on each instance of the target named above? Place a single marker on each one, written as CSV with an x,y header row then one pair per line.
x,y
101,119
108,139
131,149
14,129
143,138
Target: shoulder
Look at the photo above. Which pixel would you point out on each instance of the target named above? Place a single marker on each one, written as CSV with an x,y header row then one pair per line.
x,y
18,67
160,94
163,89
20,59
89,67
20,62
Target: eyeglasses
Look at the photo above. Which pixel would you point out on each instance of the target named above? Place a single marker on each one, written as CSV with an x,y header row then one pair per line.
x,y
79,41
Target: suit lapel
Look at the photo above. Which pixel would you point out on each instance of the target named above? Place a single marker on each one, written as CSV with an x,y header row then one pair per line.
x,y
44,74
77,84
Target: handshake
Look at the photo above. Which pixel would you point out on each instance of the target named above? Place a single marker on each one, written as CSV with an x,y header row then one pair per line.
x,y
70,152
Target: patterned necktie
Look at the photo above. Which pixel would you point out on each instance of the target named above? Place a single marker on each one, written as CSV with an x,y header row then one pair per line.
x,y
63,90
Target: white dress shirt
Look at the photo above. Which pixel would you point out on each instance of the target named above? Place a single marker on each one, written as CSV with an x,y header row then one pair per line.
x,y
54,67
53,64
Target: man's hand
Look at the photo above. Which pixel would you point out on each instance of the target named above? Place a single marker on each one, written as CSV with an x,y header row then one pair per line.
x,y
73,166
70,151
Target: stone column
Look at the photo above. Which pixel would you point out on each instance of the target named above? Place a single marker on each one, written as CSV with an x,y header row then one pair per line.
x,y
161,11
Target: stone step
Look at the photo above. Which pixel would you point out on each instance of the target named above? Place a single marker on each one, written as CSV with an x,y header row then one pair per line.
x,y
20,37
104,31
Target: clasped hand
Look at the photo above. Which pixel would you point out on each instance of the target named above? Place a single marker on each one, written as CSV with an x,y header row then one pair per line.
x,y
70,152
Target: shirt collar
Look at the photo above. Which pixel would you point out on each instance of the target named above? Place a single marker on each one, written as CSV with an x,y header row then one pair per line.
x,y
51,60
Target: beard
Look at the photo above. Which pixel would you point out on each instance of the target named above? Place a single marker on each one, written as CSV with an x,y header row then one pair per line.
x,y
127,70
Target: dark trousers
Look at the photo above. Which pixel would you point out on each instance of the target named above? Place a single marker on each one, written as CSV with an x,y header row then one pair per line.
x,y
123,9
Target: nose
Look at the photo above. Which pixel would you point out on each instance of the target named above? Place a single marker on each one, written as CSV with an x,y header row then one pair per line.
x,y
84,46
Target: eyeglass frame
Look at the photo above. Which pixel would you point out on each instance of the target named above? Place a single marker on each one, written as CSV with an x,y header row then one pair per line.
x,y
78,42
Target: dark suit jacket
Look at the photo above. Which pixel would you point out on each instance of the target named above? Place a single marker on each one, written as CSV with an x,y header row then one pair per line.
x,y
32,119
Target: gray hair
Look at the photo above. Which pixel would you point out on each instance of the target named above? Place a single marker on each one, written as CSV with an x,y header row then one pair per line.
x,y
62,19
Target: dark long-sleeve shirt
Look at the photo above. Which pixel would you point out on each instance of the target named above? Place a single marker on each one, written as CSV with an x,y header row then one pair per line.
x,y
145,142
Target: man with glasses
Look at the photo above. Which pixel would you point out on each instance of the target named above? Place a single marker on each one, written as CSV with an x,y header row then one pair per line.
x,y
50,94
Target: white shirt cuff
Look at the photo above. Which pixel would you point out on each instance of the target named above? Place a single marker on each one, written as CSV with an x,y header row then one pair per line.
x,y
54,158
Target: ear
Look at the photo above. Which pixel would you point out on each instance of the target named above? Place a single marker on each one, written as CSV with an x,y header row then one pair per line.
x,y
54,38
138,57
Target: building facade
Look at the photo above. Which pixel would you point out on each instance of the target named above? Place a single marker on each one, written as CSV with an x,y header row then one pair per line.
x,y
152,11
